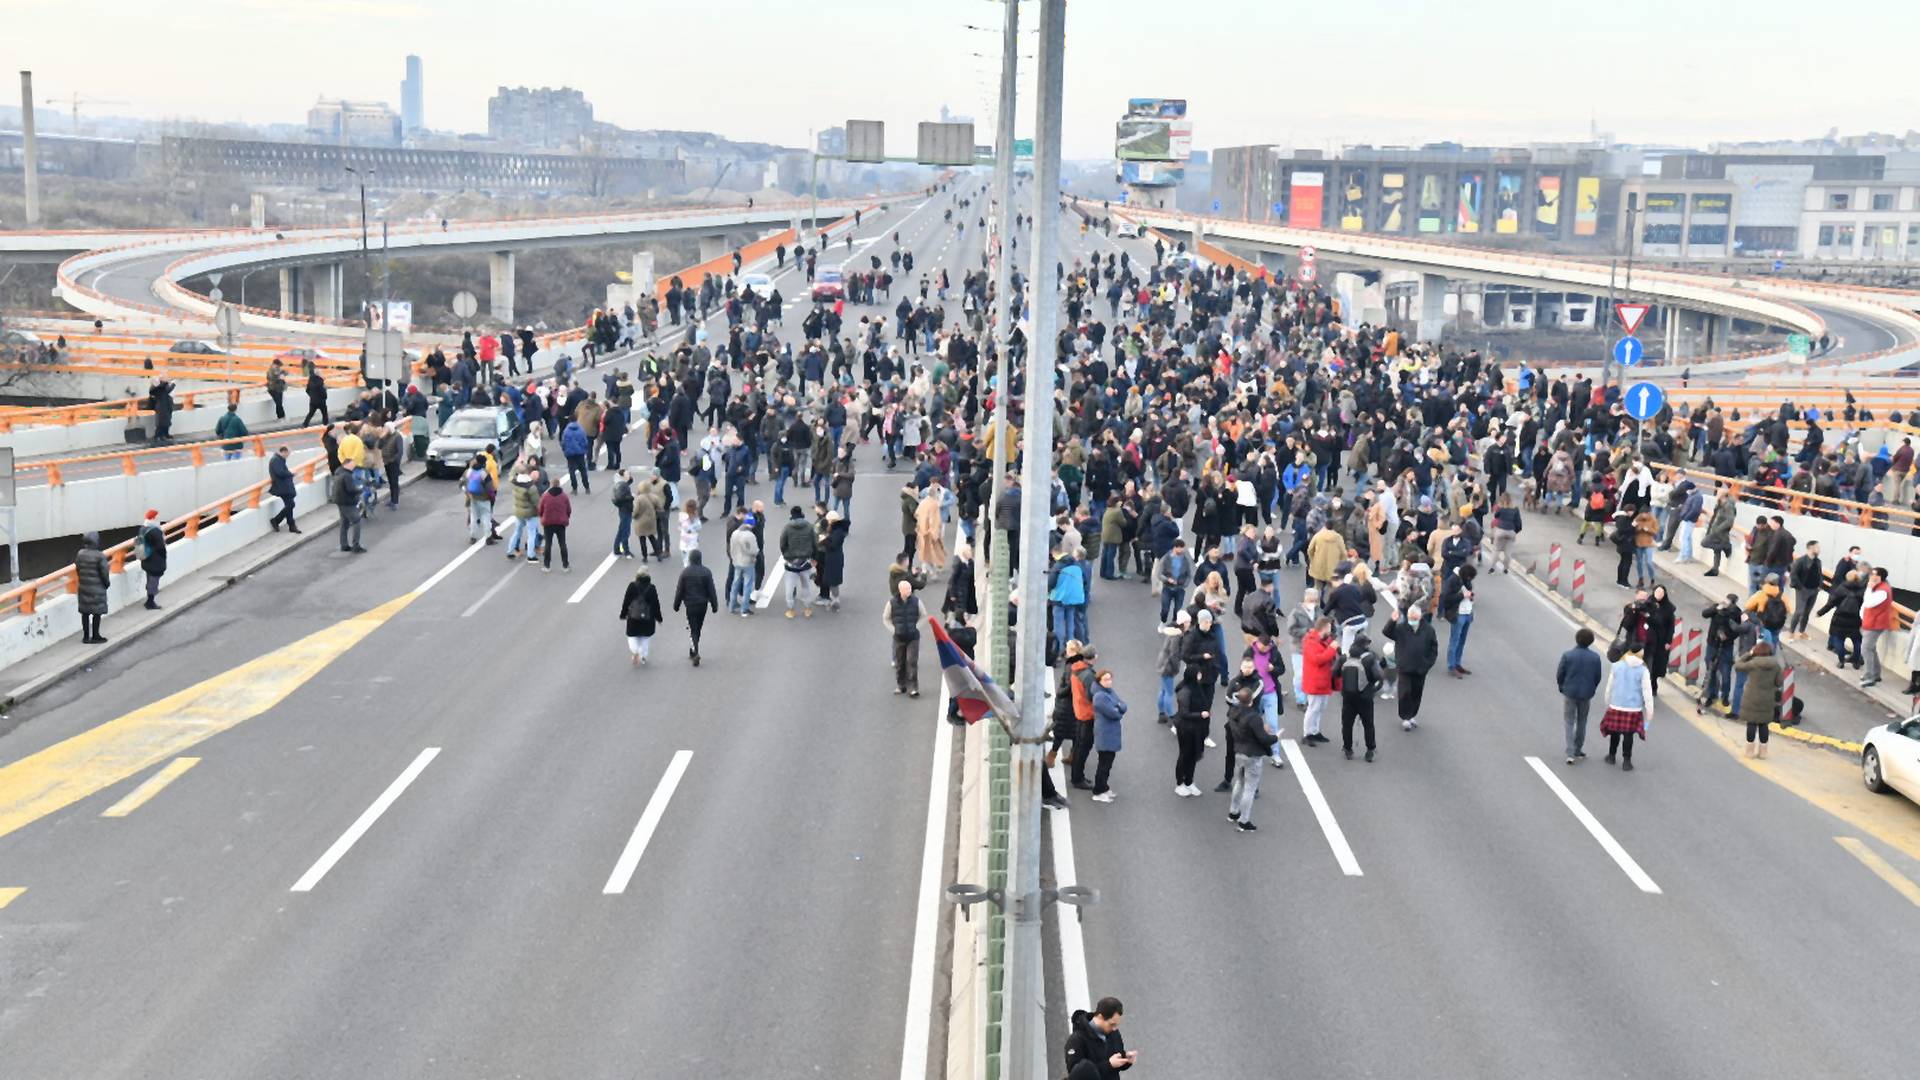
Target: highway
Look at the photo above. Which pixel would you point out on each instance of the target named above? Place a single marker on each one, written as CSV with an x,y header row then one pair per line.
x,y
1444,911
436,826
466,930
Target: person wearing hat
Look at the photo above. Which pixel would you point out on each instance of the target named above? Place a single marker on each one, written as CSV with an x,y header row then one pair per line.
x,y
150,543
799,546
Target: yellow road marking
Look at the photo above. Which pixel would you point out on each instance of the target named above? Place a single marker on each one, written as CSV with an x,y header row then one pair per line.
x,y
138,796
1871,858
94,760
9,895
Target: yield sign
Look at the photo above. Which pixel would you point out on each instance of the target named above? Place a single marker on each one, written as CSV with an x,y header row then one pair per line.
x,y
1631,316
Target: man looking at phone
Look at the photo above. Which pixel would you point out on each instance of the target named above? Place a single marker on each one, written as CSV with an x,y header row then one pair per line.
x,y
1095,1050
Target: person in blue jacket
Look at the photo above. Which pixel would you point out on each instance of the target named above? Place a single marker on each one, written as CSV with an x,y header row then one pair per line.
x,y
1578,679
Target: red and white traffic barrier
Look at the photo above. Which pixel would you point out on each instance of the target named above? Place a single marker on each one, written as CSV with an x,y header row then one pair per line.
x,y
1786,696
1553,568
1677,648
1693,660
1579,583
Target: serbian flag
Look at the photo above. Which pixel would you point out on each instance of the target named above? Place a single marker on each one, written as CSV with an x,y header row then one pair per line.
x,y
973,691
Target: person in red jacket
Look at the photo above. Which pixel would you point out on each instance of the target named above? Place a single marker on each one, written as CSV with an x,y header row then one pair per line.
x,y
1876,619
1319,651
556,510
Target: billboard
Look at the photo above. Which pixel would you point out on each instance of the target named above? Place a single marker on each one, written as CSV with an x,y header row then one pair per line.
x,y
1143,140
1506,201
401,312
1152,173
1393,202
945,144
1466,208
866,140
1305,211
1430,203
1586,206
1163,108
1353,200
1546,205
1153,140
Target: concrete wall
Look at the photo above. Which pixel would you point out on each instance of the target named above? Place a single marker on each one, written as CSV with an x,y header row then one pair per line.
x,y
1898,551
118,501
103,436
22,636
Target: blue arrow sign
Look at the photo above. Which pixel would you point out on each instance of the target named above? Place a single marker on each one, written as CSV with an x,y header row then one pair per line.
x,y
1216,206
1628,351
1279,209
1643,400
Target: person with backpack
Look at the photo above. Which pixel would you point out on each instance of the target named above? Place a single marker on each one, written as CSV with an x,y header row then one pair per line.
x,y
1770,608
1250,741
1319,651
150,547
347,490
1598,511
477,486
1360,680
640,611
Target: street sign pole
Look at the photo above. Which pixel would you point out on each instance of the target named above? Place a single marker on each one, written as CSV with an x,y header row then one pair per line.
x,y
1024,1021
7,501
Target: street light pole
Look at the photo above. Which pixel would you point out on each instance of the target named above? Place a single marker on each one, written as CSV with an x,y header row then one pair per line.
x,y
1024,1020
1003,293
366,256
1606,362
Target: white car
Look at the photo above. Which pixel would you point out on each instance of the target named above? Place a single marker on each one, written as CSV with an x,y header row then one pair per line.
x,y
1890,757
1126,228
191,347
761,284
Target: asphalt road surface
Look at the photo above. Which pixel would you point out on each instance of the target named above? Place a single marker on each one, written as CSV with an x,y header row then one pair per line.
x,y
417,774
464,928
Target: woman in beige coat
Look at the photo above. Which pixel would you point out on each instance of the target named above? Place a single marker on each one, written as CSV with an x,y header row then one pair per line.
x,y
928,535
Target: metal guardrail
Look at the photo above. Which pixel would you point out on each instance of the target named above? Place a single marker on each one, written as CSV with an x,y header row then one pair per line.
x,y
28,597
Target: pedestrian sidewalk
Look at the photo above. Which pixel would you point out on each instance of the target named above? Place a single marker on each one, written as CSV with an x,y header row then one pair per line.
x,y
1835,702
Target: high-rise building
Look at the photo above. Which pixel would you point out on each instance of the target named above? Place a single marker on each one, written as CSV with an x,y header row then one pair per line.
x,y
543,117
413,92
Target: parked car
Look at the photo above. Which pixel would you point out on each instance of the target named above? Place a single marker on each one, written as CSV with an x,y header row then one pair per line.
x,y
1126,228
193,347
829,284
466,433
24,344
1890,757
294,358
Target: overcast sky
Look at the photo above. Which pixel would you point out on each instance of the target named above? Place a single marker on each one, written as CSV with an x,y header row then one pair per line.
x,y
1308,75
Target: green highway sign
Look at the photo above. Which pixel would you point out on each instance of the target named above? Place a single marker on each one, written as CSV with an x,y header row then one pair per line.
x,y
1023,148
1799,344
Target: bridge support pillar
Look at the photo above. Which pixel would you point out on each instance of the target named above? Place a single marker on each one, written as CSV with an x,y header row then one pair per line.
x,y
1433,307
712,247
643,279
500,285
289,290
329,288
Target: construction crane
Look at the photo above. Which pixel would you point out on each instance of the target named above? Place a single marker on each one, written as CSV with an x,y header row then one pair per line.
x,y
74,102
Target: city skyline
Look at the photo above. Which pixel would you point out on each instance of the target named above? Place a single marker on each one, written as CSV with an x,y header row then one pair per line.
x,y
1262,82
